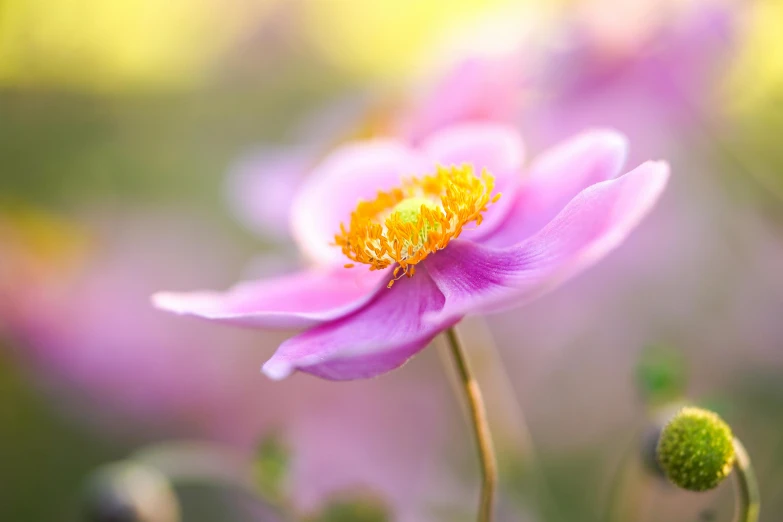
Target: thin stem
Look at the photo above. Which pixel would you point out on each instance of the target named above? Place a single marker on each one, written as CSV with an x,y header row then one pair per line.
x,y
478,417
748,500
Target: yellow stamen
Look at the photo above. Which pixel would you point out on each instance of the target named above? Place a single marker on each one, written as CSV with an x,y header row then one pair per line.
x,y
406,224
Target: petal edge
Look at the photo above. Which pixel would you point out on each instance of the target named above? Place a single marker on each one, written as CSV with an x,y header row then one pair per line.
x,y
477,278
300,300
377,338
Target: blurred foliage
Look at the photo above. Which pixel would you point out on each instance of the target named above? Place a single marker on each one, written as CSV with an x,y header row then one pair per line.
x,y
130,492
270,468
353,509
45,457
661,374
756,404
62,149
564,487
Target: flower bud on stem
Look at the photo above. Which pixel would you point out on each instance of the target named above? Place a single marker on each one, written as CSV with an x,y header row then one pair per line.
x,y
697,451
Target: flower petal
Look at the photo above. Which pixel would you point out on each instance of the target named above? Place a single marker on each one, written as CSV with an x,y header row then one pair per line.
x,y
477,278
492,146
556,177
330,193
477,88
299,300
262,186
375,339
496,147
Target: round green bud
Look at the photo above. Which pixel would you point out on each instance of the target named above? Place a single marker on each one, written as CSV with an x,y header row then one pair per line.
x,y
659,418
696,449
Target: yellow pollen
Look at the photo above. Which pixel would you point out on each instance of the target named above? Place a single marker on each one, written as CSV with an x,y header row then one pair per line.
x,y
407,223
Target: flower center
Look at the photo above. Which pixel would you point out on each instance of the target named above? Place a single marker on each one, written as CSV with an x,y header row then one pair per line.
x,y
407,223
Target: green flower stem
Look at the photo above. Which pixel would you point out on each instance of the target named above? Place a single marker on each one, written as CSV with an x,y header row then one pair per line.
x,y
748,500
478,417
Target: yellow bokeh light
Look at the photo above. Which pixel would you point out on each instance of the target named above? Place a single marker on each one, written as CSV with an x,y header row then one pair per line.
x,y
106,45
385,38
757,79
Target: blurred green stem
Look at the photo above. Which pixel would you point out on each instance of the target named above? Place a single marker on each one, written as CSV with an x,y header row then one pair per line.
x,y
478,417
747,488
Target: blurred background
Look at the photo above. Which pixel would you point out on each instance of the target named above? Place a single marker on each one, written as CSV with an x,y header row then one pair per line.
x,y
150,145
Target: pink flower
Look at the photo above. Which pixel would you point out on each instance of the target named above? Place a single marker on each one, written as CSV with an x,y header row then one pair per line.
x,y
430,263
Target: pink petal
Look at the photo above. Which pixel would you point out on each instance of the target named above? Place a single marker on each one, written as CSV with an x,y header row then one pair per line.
x,y
492,146
478,278
373,340
556,177
330,193
479,88
261,188
496,147
299,300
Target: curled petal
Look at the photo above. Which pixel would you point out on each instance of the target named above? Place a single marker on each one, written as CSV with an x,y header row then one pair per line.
x,y
330,193
375,339
556,177
299,300
477,278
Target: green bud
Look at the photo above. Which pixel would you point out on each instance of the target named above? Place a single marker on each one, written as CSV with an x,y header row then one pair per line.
x,y
696,449
659,418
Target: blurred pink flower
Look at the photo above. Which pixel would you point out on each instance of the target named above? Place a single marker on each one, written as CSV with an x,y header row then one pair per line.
x,y
88,329
654,89
561,217
475,89
261,185
88,337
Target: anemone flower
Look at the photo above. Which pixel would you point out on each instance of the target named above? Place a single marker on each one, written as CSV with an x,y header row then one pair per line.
x,y
406,241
